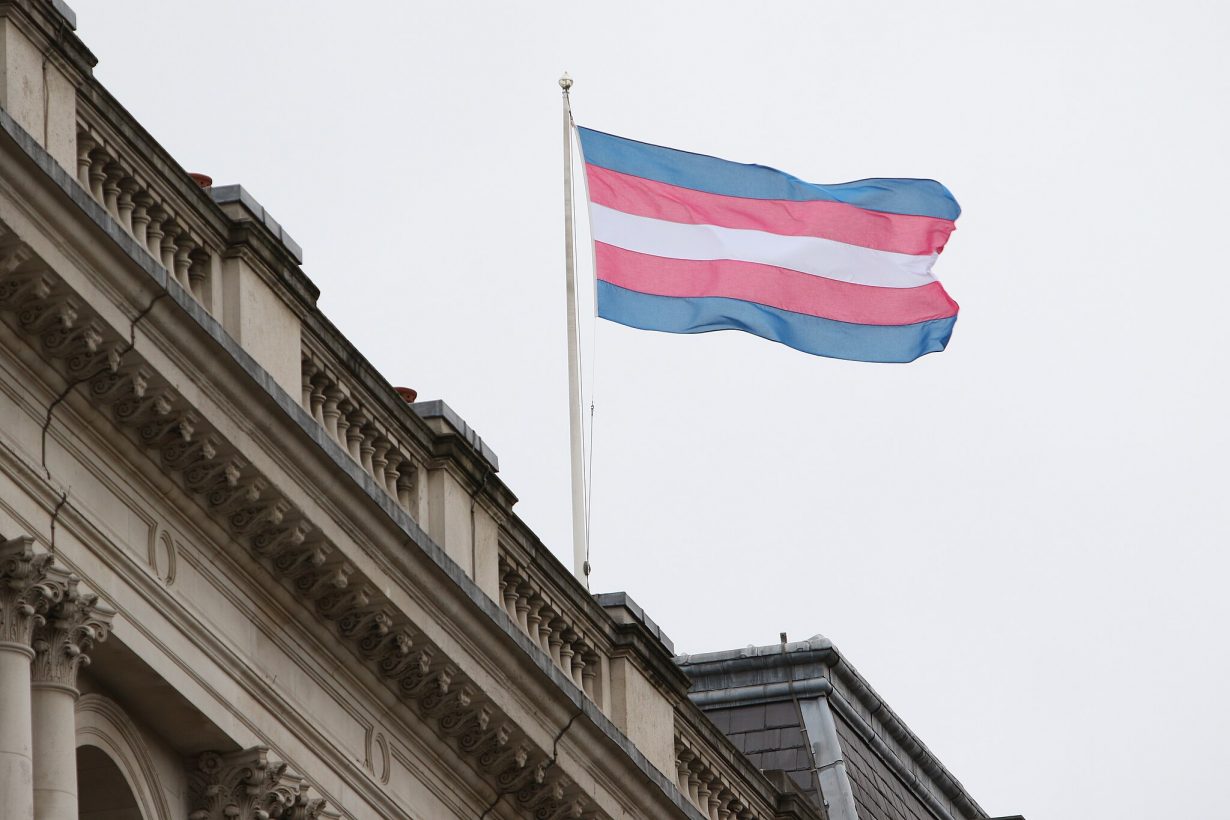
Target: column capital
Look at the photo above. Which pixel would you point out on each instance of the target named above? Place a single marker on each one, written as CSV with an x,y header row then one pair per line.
x,y
25,591
71,627
248,785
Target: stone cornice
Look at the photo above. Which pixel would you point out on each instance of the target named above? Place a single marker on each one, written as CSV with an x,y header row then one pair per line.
x,y
227,484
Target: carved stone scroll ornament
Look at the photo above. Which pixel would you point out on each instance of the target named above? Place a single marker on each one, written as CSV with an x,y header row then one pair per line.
x,y
26,593
248,785
73,624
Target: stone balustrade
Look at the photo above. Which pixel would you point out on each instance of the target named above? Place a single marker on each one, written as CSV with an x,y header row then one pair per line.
x,y
382,453
706,783
148,215
548,624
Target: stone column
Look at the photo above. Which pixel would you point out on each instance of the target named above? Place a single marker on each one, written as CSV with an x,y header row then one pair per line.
x,y
25,596
72,626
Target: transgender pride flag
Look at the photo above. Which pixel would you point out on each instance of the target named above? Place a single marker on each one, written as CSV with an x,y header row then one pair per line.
x,y
687,243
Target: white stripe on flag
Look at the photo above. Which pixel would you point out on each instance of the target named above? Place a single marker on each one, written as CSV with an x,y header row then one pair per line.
x,y
806,254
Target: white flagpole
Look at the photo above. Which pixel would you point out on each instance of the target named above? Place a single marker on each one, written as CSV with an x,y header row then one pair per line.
x,y
580,566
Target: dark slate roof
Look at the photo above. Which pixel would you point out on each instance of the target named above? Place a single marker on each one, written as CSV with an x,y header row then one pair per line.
x,y
750,694
771,736
878,792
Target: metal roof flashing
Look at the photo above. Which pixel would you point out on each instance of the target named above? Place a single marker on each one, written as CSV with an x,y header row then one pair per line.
x,y
816,643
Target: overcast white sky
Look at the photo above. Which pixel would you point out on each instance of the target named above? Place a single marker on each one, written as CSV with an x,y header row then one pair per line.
x,y
1021,542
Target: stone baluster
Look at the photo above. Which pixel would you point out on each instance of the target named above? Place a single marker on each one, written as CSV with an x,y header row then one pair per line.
x,y
153,231
511,581
716,797
703,792
367,445
556,640
330,411
182,259
524,591
546,615
141,203
533,617
565,650
405,486
61,644
85,147
694,768
170,232
354,434
25,597
343,423
98,174
683,759
380,447
724,798
125,203
113,174
308,369
198,274
505,570
578,663
320,383
392,473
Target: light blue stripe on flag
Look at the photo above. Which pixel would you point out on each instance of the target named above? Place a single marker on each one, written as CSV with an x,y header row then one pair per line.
x,y
810,334
923,197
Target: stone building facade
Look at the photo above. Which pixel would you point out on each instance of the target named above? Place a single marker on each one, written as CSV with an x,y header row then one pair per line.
x,y
242,577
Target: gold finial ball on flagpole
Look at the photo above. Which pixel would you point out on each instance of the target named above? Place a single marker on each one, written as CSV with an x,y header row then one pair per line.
x,y
565,82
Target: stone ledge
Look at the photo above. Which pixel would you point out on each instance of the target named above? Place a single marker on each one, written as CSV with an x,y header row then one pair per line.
x,y
438,408
226,194
607,600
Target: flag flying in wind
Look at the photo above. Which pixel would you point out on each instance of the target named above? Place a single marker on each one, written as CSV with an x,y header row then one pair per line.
x,y
687,243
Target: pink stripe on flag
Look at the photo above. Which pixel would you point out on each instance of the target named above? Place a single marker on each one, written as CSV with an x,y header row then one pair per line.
x,y
772,286
900,233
